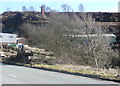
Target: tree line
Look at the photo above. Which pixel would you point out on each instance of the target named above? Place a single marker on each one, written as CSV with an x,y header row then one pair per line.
x,y
64,7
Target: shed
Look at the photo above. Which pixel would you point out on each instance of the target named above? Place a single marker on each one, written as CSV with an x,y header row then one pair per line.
x,y
6,38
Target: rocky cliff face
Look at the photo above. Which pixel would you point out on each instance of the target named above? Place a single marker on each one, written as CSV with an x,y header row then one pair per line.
x,y
12,20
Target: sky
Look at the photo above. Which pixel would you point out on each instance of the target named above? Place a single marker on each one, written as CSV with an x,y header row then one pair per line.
x,y
89,5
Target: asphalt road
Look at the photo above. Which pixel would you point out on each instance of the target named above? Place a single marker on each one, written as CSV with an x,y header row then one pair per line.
x,y
22,75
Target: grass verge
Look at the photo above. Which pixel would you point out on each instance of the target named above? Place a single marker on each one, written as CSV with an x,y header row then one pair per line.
x,y
58,68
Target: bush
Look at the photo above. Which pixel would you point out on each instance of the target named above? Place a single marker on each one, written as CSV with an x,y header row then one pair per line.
x,y
60,36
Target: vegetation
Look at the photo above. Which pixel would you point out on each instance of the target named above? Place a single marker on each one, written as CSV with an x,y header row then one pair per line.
x,y
60,34
55,37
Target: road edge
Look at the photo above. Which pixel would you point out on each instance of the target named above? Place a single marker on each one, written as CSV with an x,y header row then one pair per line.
x,y
65,72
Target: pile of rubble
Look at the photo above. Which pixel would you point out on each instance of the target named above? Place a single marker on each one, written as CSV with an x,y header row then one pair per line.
x,y
40,56
7,53
29,55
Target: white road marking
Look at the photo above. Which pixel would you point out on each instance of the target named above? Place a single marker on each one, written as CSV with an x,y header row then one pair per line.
x,y
12,75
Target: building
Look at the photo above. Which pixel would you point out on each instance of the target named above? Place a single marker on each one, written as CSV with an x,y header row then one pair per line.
x,y
110,38
8,39
21,41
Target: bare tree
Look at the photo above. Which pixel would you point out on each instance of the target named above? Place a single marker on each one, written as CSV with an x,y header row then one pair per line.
x,y
81,8
66,8
48,9
32,8
78,40
69,9
24,9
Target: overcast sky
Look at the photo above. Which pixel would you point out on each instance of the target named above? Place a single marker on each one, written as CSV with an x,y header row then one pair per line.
x,y
89,5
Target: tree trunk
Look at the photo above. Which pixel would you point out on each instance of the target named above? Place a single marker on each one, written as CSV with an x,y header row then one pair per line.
x,y
119,72
96,62
118,75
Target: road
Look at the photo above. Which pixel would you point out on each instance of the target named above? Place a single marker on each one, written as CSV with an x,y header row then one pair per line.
x,y
22,75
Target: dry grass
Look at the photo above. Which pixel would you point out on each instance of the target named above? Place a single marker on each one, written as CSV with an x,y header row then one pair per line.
x,y
107,73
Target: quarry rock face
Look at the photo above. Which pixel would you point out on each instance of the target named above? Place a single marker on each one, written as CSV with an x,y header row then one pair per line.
x,y
11,21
